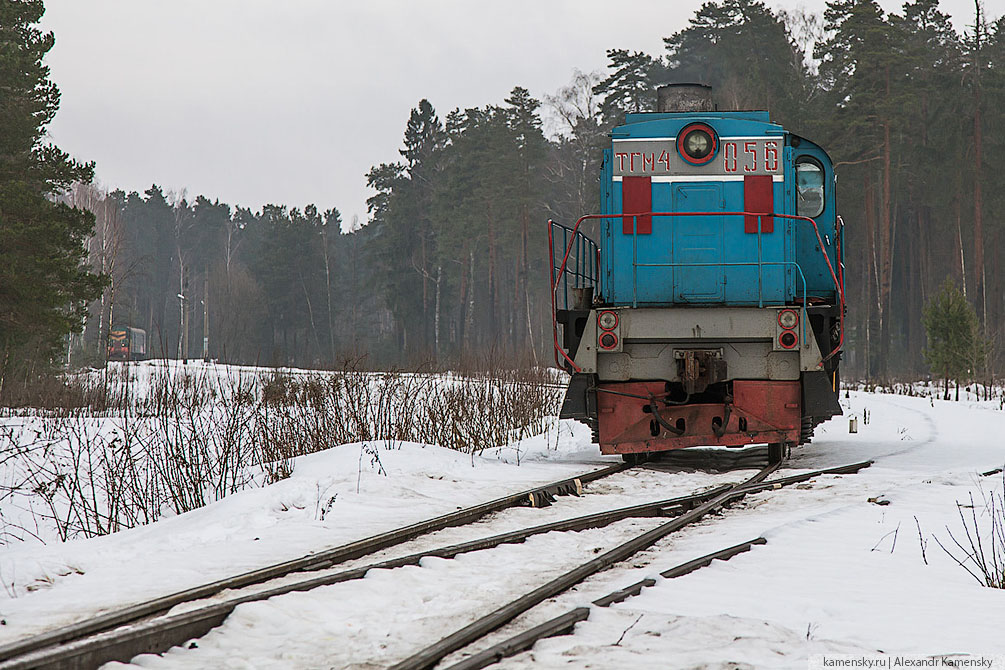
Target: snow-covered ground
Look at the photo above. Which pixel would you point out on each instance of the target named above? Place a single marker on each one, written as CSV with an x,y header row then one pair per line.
x,y
839,575
160,438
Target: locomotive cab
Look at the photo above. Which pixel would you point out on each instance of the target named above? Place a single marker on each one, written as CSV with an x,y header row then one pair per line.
x,y
709,310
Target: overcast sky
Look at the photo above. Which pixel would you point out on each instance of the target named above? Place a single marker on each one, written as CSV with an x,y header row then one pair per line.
x,y
255,101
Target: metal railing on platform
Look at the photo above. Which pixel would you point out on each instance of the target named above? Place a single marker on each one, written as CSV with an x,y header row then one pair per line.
x,y
586,274
578,261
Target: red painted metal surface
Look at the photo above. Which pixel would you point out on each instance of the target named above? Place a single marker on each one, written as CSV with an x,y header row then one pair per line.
x,y
840,271
758,196
770,411
637,198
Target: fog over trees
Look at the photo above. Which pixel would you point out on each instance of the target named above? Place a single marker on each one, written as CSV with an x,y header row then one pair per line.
x,y
453,261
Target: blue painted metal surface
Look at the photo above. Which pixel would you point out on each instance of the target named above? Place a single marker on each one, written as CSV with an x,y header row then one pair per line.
x,y
711,259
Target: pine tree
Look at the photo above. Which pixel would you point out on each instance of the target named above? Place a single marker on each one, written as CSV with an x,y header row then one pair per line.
x,y
955,349
743,50
631,86
861,73
926,125
44,283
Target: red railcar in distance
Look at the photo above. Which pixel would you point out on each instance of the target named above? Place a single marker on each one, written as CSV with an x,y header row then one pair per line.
x,y
127,344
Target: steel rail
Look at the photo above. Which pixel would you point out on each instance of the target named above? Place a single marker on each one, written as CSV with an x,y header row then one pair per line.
x,y
849,469
434,653
155,634
537,496
429,656
564,623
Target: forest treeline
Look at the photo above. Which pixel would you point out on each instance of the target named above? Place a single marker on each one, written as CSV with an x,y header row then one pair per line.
x,y
453,260
277,286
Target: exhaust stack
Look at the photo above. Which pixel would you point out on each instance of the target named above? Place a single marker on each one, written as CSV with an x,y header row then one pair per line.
x,y
684,98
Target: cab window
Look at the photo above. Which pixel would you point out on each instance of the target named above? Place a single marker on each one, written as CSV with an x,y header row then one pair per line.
x,y
809,187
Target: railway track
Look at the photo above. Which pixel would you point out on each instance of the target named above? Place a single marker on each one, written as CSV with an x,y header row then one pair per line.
x,y
47,650
433,654
144,628
564,623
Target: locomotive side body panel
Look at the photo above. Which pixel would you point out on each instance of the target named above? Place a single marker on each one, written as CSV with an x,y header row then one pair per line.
x,y
813,175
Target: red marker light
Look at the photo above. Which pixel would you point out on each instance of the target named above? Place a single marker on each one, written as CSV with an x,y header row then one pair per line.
x,y
608,340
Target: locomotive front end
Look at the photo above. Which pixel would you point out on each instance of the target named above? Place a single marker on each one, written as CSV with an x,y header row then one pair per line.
x,y
709,310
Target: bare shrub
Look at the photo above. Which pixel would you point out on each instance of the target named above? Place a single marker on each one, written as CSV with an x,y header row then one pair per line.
x,y
199,454
980,550
78,477
84,476
56,395
475,414
277,389
315,412
310,413
184,438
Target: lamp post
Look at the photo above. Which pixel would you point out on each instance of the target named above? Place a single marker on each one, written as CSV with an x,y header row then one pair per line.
x,y
183,329
205,320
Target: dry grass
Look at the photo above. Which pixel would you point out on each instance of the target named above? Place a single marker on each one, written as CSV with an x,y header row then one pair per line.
x,y
116,457
979,546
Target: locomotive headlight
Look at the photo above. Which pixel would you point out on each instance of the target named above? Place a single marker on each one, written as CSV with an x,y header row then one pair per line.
x,y
607,320
788,319
696,144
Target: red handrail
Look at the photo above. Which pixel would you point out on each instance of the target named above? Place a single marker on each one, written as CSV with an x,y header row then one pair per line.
x,y
555,279
840,261
838,284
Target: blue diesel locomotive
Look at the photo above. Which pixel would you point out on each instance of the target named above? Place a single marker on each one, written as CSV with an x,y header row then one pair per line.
x,y
709,311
